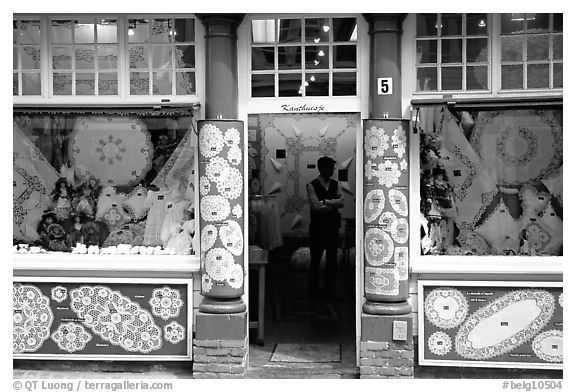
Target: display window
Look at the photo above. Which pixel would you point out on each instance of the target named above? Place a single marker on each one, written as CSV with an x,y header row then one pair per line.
x,y
104,183
491,181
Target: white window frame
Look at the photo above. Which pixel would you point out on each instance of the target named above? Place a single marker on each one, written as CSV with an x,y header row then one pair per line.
x,y
123,97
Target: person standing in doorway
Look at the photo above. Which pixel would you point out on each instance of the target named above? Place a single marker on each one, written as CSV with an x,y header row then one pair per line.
x,y
325,200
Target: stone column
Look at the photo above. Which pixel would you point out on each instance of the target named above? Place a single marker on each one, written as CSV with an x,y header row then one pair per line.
x,y
221,341
386,343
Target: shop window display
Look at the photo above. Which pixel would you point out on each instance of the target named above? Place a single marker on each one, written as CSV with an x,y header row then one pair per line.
x,y
491,181
104,183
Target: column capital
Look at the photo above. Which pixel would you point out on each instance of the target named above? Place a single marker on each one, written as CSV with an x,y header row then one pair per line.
x,y
220,23
385,23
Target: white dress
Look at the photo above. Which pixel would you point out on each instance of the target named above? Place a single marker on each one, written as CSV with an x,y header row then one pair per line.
x,y
156,201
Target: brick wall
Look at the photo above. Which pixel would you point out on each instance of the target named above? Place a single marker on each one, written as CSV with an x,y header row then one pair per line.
x,y
220,358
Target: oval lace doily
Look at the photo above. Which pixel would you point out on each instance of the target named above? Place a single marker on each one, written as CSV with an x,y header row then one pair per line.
x,y
236,277
208,237
400,231
398,202
232,237
548,346
378,246
374,204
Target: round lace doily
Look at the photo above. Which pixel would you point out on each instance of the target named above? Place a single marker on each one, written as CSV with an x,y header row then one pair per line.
x,y
378,246
210,141
439,343
214,208
218,263
445,308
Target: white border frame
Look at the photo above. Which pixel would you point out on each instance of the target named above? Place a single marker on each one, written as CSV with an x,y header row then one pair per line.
x,y
472,363
135,357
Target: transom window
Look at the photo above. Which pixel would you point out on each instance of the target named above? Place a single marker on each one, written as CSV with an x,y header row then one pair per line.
x,y
26,57
299,57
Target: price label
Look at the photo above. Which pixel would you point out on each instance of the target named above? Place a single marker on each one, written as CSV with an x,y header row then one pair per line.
x,y
385,86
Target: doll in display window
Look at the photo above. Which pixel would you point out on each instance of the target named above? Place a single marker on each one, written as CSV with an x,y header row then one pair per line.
x,y
181,236
61,197
75,235
156,200
173,216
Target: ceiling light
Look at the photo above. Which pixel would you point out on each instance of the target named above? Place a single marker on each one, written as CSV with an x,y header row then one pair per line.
x,y
316,40
312,78
321,53
326,28
482,23
316,62
130,31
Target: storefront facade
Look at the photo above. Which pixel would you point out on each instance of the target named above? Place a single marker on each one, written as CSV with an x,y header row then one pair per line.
x,y
449,126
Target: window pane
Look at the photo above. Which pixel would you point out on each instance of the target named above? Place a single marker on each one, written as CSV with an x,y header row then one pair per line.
x,y
184,30
427,79
61,31
289,85
62,83
345,29
512,48
262,85
512,76
138,56
30,84
477,50
15,84
162,83
108,83
426,51
451,78
537,47
426,25
139,83
107,31
557,49
84,57
451,50
185,56
317,57
185,83
558,23
558,81
85,84
512,23
15,57
83,32
61,57
264,31
450,24
162,30
263,58
537,23
290,30
317,84
107,57
29,32
30,57
290,57
538,75
317,29
476,24
162,57
477,78
343,83
138,30
344,56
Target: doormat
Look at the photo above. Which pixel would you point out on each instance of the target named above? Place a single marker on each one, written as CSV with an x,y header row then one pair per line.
x,y
307,353
296,305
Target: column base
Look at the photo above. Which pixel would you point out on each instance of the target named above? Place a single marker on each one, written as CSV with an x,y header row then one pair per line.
x,y
222,306
387,308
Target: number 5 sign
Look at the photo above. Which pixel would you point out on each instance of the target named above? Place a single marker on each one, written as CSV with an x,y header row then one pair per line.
x,y
384,86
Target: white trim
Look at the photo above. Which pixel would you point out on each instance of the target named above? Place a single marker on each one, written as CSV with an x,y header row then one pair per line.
x,y
136,357
474,363
499,265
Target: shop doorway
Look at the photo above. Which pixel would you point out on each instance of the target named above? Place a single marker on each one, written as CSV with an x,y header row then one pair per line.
x,y
307,328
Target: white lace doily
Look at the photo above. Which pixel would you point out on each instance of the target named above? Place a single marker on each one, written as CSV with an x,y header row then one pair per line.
x,y
388,173
232,237
399,230
116,318
210,140
374,204
206,283
218,263
381,281
398,202
561,300
445,308
232,137
370,169
230,185
214,208
234,155
166,303
548,346
31,318
378,246
174,332
403,165
215,169
375,142
204,185
208,237
439,343
236,276
237,211
59,294
399,141
401,261
386,220
71,337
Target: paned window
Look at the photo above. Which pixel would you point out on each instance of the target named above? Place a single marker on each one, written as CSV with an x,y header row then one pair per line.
x,y
26,57
300,57
452,52
531,51
162,57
